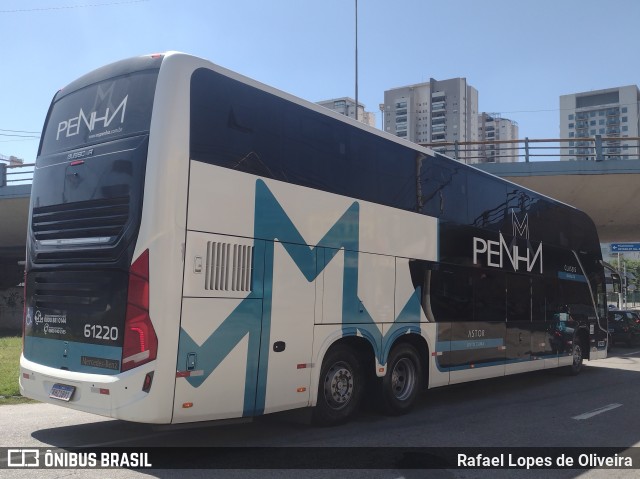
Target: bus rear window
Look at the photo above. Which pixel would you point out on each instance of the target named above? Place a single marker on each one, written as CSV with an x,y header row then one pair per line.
x,y
103,111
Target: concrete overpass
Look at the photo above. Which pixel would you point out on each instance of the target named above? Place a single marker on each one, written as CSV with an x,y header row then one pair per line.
x,y
609,191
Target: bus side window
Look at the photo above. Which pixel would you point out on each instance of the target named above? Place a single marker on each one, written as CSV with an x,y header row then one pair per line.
x,y
451,294
489,296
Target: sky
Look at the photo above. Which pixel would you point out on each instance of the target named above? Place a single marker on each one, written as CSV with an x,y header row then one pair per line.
x,y
520,56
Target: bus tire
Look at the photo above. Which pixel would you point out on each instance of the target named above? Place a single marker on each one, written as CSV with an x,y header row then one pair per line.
x,y
399,388
340,387
577,352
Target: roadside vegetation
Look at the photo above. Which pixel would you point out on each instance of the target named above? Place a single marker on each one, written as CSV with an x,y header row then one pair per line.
x,y
10,348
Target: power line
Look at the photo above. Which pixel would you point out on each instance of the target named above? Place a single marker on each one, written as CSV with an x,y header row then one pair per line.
x,y
21,131
602,107
19,136
69,7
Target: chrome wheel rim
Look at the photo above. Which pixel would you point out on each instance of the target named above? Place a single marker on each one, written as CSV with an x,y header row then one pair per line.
x,y
338,385
403,379
577,355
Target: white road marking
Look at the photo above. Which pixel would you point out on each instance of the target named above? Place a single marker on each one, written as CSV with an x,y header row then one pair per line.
x,y
631,354
595,412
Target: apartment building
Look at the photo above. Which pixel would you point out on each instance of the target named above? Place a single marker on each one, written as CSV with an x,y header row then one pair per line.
x,y
11,160
611,114
493,128
347,106
433,112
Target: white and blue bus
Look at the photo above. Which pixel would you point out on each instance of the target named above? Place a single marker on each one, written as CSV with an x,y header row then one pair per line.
x,y
202,246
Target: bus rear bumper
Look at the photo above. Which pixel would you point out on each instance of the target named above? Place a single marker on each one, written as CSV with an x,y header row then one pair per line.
x,y
115,396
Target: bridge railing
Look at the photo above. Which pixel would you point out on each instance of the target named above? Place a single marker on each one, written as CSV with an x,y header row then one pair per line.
x,y
596,148
16,174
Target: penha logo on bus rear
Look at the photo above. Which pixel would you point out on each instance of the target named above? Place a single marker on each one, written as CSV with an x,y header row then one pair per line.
x,y
497,254
98,117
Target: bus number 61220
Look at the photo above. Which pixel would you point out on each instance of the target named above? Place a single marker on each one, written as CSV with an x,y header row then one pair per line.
x,y
97,331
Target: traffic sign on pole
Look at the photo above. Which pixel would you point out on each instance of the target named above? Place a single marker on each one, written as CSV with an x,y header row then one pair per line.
x,y
624,247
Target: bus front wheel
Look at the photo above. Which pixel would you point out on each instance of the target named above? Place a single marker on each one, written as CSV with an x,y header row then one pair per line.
x,y
340,387
402,383
578,358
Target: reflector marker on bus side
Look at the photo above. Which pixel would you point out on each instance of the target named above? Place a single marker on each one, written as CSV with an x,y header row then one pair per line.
x,y
436,353
186,374
304,365
103,391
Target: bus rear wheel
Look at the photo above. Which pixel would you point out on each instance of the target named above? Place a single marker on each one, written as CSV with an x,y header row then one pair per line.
x,y
340,387
403,381
578,358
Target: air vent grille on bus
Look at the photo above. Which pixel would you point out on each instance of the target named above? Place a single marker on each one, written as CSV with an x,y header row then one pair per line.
x,y
228,267
77,291
82,231
84,221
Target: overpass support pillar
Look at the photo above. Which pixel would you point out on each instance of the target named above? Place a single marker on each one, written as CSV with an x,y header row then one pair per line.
x,y
598,144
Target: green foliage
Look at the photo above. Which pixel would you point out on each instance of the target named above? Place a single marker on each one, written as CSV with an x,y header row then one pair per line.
x,y
10,349
633,268
12,299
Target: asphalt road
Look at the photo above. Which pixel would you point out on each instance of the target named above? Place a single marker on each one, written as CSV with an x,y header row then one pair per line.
x,y
598,408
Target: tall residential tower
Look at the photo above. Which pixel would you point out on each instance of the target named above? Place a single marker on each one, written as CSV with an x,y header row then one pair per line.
x,y
433,112
611,113
347,106
493,128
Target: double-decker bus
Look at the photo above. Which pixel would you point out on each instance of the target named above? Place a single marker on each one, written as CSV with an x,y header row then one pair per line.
x,y
202,246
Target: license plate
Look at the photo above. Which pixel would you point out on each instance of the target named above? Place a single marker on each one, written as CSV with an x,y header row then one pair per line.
x,y
62,392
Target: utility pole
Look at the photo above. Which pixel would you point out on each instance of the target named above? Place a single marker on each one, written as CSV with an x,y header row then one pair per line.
x,y
356,60
625,286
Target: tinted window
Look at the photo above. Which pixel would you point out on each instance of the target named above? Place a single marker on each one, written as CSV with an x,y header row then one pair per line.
x,y
443,189
577,299
538,300
519,298
451,294
240,127
487,202
489,295
100,112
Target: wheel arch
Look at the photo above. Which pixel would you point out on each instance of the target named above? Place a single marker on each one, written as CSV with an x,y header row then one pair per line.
x,y
362,346
421,346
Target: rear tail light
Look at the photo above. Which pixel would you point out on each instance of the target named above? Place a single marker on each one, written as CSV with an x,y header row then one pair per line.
x,y
140,340
148,379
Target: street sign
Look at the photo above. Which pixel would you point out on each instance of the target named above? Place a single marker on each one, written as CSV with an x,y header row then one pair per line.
x,y
624,247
